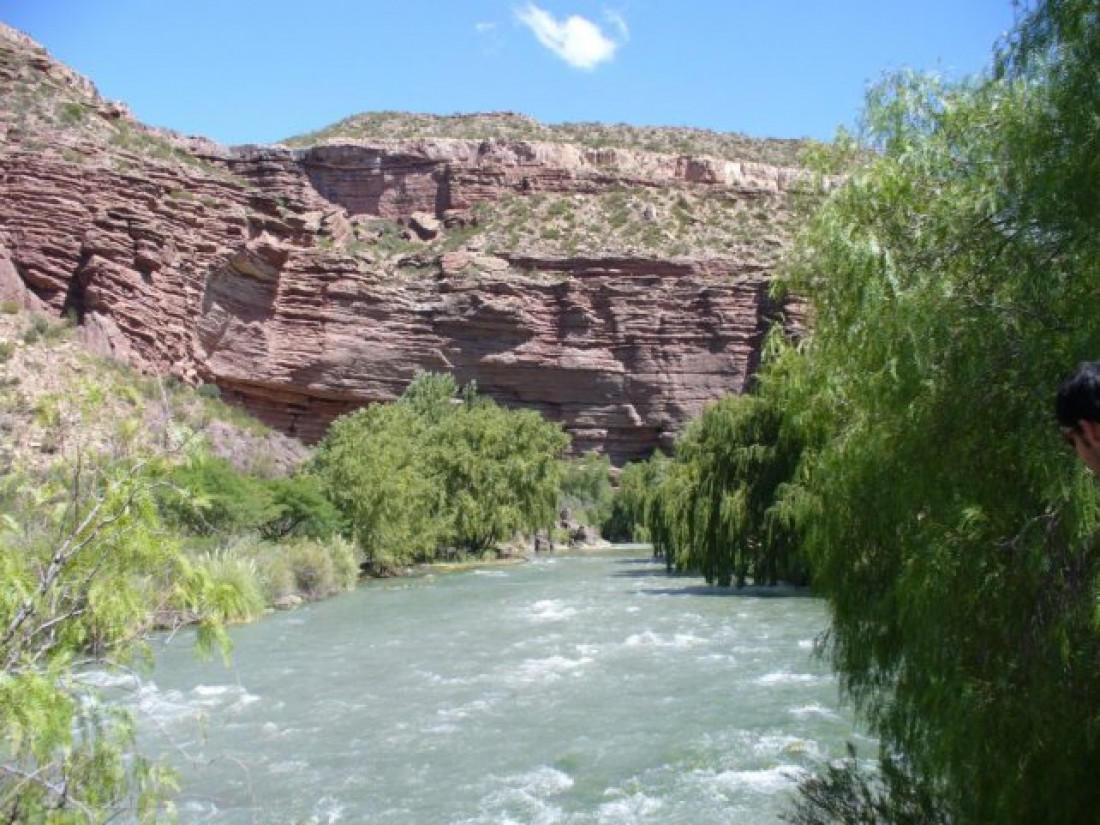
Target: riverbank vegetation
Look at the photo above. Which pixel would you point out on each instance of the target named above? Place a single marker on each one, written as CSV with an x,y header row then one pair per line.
x,y
441,472
130,504
713,508
951,284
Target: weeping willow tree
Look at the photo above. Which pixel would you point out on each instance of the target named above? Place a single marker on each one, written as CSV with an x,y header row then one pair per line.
x,y
953,282
738,453
714,508
440,468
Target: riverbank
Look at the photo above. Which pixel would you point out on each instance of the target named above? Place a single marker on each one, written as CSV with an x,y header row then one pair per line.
x,y
503,560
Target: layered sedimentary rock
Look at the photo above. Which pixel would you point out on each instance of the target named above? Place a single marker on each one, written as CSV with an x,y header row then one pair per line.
x,y
258,269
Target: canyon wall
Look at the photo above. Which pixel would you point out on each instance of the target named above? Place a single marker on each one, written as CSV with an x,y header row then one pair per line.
x,y
262,269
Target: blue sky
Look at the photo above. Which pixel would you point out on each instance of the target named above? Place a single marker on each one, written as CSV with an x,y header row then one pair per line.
x,y
242,71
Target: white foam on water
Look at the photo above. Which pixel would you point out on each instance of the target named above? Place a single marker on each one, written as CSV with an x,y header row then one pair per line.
x,y
287,766
231,698
719,658
200,808
164,708
526,799
783,677
543,781
491,574
551,610
477,707
327,812
447,681
550,669
806,644
635,808
446,729
813,709
784,745
108,679
763,781
214,690
679,641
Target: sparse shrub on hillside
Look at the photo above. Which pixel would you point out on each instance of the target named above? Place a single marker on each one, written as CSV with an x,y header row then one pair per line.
x,y
35,329
509,126
72,113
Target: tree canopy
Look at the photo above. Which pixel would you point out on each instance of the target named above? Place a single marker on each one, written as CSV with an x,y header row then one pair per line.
x,y
952,283
442,467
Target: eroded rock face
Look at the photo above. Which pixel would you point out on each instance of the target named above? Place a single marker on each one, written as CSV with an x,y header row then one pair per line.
x,y
240,267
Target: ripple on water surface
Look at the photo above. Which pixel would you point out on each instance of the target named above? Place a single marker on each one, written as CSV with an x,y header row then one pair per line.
x,y
580,691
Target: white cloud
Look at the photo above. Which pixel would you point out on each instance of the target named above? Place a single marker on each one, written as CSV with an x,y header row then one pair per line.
x,y
485,28
618,22
576,40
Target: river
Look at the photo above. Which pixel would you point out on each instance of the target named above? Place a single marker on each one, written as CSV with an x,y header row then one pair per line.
x,y
571,689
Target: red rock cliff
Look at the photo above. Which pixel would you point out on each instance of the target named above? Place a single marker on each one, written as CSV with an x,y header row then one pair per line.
x,y
306,283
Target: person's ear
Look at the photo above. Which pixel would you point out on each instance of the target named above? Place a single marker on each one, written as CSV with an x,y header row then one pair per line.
x,y
1090,431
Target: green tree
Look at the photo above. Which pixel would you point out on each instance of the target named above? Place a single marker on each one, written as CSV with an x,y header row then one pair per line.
x,y
500,472
441,467
373,464
208,495
432,396
85,569
586,488
301,509
626,521
952,283
742,454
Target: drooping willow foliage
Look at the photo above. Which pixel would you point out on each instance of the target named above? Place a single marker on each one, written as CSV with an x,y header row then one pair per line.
x,y
953,282
440,468
714,507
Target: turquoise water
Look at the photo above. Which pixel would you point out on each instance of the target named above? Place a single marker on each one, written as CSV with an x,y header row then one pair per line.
x,y
587,689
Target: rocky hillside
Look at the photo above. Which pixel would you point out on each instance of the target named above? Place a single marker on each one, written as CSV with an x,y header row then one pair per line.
x,y
569,269
59,401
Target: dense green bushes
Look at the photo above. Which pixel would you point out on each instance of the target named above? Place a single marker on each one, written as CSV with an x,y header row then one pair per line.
x,y
436,470
208,496
586,492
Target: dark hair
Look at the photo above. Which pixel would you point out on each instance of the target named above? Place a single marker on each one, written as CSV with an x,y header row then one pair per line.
x,y
1079,397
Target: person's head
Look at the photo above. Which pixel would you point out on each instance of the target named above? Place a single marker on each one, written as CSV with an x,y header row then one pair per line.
x,y
1077,407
